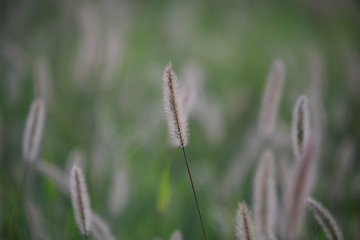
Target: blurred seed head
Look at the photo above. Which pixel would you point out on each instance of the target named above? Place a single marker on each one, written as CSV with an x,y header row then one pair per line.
x,y
300,125
76,157
325,219
244,224
264,196
34,130
80,200
300,187
176,116
271,98
176,235
43,79
119,192
193,78
36,222
60,179
100,229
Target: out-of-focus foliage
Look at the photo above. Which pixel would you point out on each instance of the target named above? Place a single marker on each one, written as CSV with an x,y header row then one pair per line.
x,y
98,66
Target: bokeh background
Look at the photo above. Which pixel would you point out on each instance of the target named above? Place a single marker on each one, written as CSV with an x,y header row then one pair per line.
x,y
98,66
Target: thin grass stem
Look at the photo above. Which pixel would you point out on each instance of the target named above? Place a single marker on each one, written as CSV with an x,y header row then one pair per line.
x,y
194,191
17,200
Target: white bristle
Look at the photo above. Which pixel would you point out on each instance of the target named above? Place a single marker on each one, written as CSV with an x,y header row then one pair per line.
x,y
60,178
300,125
244,224
264,196
176,235
34,130
300,187
80,200
100,229
325,219
271,98
176,116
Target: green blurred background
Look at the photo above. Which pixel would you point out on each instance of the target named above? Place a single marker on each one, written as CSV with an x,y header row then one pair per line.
x,y
98,65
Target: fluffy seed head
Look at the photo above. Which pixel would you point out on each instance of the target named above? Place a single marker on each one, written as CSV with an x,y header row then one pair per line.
x,y
271,98
244,224
176,235
118,194
100,229
325,219
80,200
176,116
34,130
264,196
300,125
300,187
60,179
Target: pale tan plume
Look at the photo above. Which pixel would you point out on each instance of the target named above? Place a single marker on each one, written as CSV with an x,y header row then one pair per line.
x,y
34,130
300,187
300,125
100,229
325,219
119,191
176,235
244,224
80,200
271,98
35,219
59,177
264,196
175,112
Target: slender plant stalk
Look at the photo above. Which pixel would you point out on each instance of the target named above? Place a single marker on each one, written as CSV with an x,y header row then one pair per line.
x,y
177,123
17,201
31,145
194,191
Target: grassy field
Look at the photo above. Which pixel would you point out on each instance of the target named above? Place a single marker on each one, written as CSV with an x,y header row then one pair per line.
x,y
98,67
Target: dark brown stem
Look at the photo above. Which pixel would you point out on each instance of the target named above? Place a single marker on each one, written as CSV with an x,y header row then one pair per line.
x,y
86,238
193,188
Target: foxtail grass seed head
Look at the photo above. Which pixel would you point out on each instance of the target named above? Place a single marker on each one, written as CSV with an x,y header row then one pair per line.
x,y
119,191
59,178
100,229
244,223
300,187
176,116
35,219
34,130
300,125
325,219
80,200
176,235
264,196
271,98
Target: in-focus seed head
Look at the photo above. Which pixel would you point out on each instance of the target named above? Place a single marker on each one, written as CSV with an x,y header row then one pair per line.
x,y
176,116
271,98
325,219
264,196
176,235
244,223
34,130
300,125
80,200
